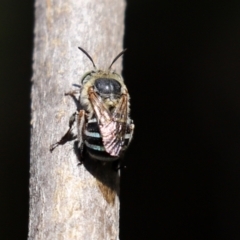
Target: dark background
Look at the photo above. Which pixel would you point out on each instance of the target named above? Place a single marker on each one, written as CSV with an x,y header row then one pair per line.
x,y
183,168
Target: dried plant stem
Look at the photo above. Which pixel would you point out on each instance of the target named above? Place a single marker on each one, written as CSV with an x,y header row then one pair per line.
x,y
68,201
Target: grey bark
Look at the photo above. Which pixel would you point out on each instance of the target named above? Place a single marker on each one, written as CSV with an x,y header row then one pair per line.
x,y
67,200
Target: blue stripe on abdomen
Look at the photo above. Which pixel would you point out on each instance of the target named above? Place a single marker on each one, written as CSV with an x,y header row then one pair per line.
x,y
94,144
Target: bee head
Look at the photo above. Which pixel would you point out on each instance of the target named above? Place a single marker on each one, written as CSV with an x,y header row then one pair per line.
x,y
107,88
107,84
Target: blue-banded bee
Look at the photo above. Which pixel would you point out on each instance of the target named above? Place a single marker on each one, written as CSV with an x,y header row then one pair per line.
x,y
104,127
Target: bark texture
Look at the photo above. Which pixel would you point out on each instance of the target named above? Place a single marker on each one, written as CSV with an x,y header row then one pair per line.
x,y
67,200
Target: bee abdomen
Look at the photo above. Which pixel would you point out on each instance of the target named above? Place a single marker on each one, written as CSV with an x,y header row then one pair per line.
x,y
93,141
94,144
92,135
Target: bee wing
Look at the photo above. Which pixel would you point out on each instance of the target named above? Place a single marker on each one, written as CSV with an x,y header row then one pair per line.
x,y
113,133
112,125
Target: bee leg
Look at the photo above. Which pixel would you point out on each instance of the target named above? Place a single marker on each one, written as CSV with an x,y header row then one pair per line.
x,y
79,151
68,136
131,127
73,94
117,165
81,123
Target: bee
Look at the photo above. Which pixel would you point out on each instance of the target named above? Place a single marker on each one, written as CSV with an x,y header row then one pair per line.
x,y
103,123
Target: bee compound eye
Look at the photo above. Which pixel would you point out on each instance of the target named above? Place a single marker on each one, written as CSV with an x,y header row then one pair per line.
x,y
108,86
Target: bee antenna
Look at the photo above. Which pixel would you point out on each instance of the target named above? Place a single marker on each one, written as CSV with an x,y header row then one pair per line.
x,y
87,56
116,58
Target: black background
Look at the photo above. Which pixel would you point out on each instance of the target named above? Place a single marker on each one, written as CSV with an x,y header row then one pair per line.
x,y
182,69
